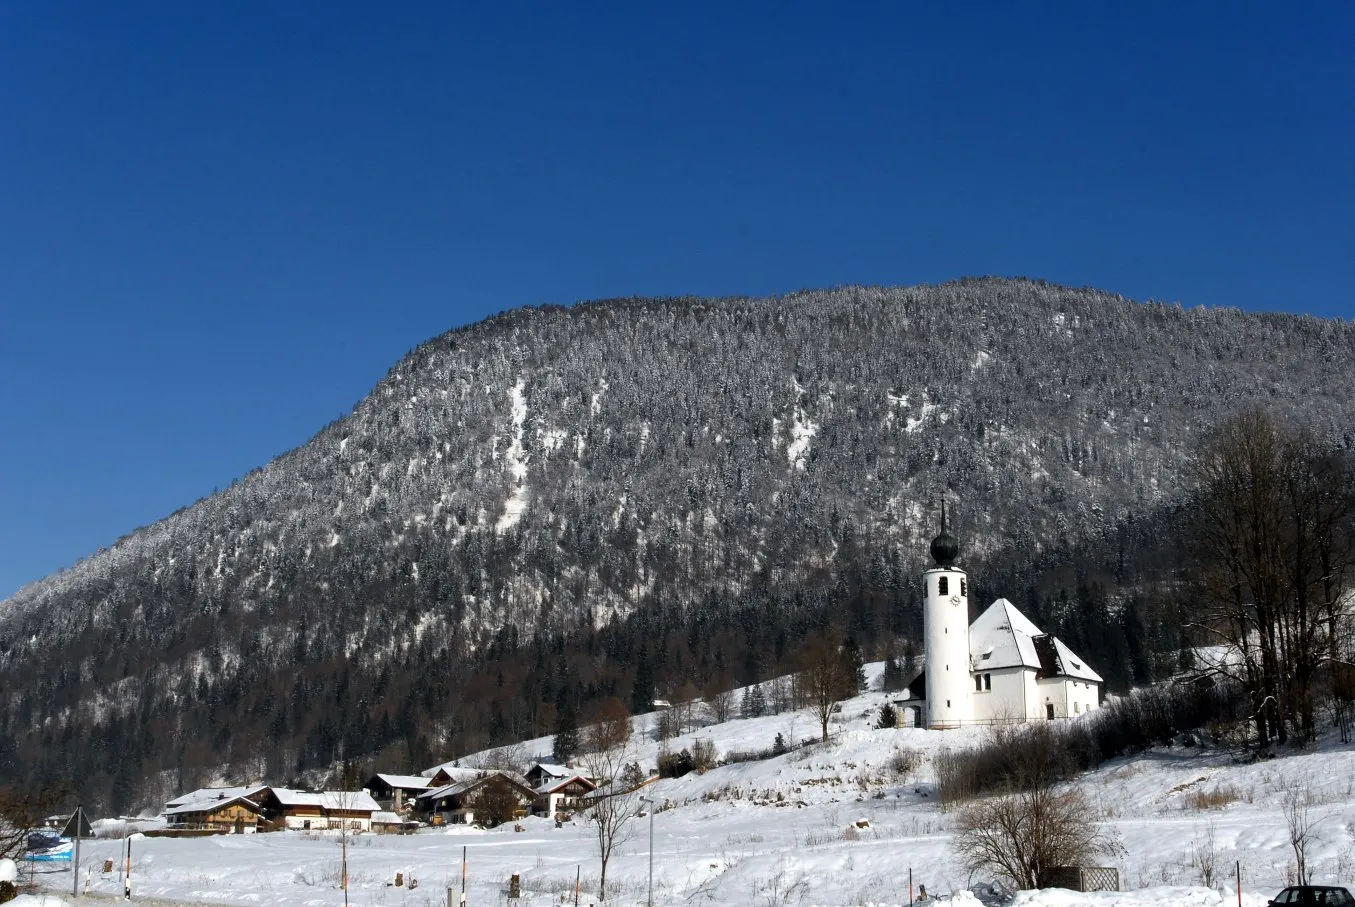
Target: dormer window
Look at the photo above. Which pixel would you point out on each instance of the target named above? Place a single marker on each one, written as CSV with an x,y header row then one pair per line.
x,y
942,585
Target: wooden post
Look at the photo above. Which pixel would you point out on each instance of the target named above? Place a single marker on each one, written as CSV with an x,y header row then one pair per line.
x,y
127,879
463,875
75,869
577,871
910,886
1237,866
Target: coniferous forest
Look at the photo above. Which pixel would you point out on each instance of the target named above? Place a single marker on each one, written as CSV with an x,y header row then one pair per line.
x,y
641,498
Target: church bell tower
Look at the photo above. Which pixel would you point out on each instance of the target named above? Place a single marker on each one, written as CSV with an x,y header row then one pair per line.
x,y
945,631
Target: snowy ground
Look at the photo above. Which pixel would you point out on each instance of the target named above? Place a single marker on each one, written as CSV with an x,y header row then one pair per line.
x,y
824,825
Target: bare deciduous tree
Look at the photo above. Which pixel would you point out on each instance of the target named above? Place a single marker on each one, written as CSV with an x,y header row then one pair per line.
x,y
495,802
720,704
1272,550
515,757
1205,854
825,676
616,802
610,728
1021,836
1300,822
20,812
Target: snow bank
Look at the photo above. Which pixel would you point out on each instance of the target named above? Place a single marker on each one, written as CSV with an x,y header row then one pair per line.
x,y
1165,896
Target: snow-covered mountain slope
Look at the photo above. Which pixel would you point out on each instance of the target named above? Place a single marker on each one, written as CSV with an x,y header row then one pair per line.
x,y
550,471
824,825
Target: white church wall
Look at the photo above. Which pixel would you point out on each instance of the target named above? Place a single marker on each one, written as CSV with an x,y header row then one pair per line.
x,y
1083,697
1003,694
1033,697
1054,691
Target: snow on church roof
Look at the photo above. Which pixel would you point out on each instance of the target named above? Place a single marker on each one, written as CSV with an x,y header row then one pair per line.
x,y
1003,637
1072,665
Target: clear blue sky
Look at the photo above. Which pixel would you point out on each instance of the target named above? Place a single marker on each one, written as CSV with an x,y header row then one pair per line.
x,y
220,224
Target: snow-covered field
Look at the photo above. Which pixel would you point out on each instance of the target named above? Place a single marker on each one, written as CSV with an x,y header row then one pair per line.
x,y
823,825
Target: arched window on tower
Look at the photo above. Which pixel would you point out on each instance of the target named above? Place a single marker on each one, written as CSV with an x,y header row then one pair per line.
x,y
942,586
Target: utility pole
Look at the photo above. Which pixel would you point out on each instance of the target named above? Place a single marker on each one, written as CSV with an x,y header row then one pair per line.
x,y
75,869
650,902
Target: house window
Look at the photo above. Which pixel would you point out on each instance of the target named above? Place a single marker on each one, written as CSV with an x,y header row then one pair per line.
x,y
978,683
942,586
947,703
1077,708
987,681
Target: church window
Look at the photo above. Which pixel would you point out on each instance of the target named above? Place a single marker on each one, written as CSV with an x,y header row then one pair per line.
x,y
947,703
942,586
978,683
964,587
987,681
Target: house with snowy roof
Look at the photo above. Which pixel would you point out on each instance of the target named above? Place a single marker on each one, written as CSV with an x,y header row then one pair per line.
x,y
316,810
203,794
557,795
1000,668
212,810
395,792
491,796
450,773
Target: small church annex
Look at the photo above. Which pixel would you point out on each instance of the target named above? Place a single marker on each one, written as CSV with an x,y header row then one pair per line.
x,y
999,669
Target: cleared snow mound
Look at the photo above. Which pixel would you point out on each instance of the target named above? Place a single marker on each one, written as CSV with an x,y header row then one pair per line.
x,y
1140,897
37,900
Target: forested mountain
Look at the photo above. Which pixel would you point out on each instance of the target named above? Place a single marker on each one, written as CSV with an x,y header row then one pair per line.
x,y
559,504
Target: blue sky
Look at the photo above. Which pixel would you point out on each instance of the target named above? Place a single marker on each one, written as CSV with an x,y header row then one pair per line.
x,y
219,227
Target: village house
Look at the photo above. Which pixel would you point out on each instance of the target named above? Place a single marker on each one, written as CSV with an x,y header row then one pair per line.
x,y
252,791
397,793
488,798
315,811
561,795
451,773
542,772
224,814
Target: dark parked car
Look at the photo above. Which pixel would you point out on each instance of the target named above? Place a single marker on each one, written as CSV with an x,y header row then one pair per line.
x,y
1314,896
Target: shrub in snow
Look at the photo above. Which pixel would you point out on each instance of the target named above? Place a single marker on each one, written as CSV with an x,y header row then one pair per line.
x,y
1022,836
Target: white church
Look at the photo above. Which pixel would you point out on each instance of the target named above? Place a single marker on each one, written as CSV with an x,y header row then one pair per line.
x,y
1001,668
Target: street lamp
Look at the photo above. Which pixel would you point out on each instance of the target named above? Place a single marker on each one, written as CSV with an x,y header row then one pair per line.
x,y
650,902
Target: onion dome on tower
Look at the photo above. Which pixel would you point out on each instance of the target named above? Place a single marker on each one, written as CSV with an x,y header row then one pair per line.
x,y
945,547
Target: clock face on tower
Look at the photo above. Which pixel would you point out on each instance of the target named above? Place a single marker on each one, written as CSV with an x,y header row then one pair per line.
x,y
955,599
